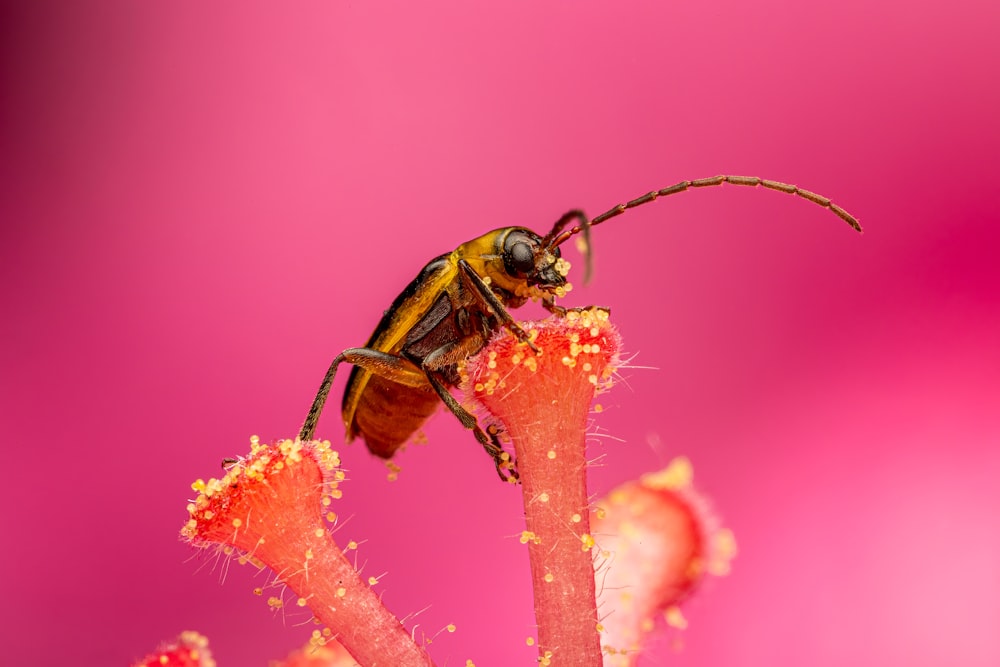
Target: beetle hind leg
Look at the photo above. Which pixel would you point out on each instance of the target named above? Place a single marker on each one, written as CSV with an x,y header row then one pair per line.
x,y
385,365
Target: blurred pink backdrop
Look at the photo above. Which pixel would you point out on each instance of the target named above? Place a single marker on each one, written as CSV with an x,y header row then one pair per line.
x,y
202,205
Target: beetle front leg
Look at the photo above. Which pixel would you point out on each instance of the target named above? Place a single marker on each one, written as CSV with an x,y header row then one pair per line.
x,y
551,306
475,282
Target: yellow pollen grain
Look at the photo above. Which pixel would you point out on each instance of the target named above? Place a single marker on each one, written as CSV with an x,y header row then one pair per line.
x,y
678,474
469,663
331,516
301,602
527,536
341,592
675,618
336,493
543,497
587,367
451,627
326,501
549,577
274,603
237,523
600,627
198,485
576,518
372,581
530,641
258,591
587,542
551,454
309,554
352,545
319,532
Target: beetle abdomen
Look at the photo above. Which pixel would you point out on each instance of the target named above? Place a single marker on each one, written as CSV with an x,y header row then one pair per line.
x,y
388,414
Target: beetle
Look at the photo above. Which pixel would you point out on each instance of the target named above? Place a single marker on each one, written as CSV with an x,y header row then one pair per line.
x,y
450,310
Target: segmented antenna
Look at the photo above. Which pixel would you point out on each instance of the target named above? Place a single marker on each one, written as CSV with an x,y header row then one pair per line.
x,y
559,237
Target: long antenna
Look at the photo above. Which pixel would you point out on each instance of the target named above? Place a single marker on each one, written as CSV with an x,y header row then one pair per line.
x,y
748,181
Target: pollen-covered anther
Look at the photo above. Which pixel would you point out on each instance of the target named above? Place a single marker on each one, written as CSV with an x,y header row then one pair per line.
x,y
545,409
663,539
272,508
190,649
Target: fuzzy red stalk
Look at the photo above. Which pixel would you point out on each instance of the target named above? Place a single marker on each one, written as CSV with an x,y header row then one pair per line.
x,y
658,539
273,507
542,400
190,649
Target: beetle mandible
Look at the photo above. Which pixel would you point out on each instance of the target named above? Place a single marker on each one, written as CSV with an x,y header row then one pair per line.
x,y
450,310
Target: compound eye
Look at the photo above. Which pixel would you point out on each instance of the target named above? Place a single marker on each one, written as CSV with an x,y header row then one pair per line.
x,y
519,259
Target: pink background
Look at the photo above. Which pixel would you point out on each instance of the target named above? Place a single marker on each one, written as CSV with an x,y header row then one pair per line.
x,y
201,206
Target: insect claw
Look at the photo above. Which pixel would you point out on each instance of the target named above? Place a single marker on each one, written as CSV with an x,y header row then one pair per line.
x,y
507,471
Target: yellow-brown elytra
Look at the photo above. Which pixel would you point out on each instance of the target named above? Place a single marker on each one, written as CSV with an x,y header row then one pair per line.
x,y
448,313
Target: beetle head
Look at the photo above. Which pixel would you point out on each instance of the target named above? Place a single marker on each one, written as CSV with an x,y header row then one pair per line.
x,y
528,259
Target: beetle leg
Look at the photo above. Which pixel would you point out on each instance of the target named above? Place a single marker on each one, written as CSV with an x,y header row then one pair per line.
x,y
391,367
494,431
551,306
475,282
490,444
